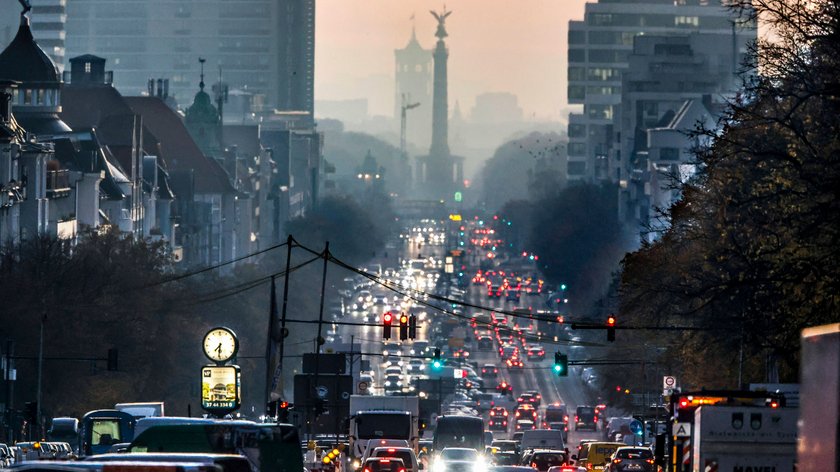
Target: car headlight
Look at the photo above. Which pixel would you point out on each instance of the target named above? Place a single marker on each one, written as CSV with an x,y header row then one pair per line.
x,y
387,383
440,466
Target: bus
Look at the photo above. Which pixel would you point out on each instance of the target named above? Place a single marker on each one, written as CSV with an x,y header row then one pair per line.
x,y
102,429
268,447
459,431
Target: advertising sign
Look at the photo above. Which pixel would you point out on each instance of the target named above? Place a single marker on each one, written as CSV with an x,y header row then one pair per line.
x,y
220,388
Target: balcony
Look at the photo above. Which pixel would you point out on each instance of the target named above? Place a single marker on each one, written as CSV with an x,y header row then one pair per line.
x,y
58,183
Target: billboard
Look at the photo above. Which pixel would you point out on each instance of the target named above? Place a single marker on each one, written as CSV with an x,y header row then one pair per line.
x,y
220,388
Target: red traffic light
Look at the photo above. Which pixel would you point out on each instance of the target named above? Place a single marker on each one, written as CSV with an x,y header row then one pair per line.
x,y
611,320
387,317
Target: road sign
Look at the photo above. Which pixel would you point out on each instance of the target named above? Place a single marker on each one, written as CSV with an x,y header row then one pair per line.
x,y
669,382
322,391
459,373
682,430
363,386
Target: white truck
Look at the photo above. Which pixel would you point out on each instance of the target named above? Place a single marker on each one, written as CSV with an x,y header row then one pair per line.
x,y
819,421
141,409
743,439
379,417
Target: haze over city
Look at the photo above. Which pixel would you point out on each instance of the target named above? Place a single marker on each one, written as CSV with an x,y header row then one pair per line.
x,y
495,46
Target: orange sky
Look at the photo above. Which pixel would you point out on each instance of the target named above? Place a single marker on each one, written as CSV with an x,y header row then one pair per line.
x,y
516,46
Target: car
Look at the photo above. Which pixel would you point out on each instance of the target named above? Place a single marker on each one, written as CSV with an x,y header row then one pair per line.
x,y
635,459
524,424
383,464
536,397
489,371
497,423
556,412
558,426
515,365
505,445
618,425
507,458
393,382
456,459
416,365
586,418
525,398
595,455
535,352
525,411
494,291
508,351
405,453
505,388
542,460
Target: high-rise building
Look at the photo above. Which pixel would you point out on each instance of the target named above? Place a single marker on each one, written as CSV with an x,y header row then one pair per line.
x,y
413,84
598,52
264,48
47,20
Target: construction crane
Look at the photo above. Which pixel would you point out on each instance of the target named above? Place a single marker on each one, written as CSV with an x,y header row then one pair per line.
x,y
403,109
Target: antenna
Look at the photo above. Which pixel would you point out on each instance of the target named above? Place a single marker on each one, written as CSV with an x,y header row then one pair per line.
x,y
201,61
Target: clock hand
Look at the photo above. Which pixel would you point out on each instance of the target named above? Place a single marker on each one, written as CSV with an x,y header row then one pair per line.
x,y
219,349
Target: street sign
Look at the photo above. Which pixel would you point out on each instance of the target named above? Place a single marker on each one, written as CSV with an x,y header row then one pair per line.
x,y
363,386
669,382
459,373
682,430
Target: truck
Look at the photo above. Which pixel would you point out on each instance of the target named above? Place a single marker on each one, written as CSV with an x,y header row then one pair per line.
x,y
141,409
743,438
818,448
376,417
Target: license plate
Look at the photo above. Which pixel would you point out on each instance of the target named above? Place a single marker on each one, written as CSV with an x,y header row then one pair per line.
x,y
633,467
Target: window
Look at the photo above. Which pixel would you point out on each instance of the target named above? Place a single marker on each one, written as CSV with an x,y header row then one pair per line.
x,y
577,73
577,37
669,154
87,67
576,92
577,149
607,55
577,130
601,19
688,21
600,112
602,90
577,55
576,168
602,73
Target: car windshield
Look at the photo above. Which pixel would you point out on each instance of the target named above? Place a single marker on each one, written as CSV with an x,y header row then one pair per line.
x,y
452,454
640,453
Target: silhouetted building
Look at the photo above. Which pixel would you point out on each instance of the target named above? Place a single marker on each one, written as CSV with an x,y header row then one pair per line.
x,y
496,107
264,47
47,22
598,52
413,84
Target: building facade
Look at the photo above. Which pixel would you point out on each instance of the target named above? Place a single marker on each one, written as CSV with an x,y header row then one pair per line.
x,y
413,84
599,48
263,48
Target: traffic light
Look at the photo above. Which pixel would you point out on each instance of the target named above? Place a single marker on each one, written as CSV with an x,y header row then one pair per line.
x,y
403,327
611,328
436,363
412,327
30,412
387,319
319,407
561,364
113,356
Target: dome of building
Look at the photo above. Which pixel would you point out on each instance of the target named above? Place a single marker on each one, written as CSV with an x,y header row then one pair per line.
x,y
24,61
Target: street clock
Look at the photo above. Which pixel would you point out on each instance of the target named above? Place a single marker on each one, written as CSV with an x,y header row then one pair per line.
x,y
220,344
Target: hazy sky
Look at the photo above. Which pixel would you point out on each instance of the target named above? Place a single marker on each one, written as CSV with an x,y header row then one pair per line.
x,y
516,46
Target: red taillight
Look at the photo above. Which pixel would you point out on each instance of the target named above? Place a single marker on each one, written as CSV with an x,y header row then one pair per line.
x,y
367,470
576,418
566,418
506,413
504,423
649,461
492,413
391,449
517,414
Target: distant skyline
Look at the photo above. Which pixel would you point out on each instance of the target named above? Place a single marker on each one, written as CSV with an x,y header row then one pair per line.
x,y
495,46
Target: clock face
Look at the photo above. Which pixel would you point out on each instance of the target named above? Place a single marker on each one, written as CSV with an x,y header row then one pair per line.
x,y
220,344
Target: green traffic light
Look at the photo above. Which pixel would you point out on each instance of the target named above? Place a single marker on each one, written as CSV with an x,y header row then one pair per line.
x,y
436,364
558,368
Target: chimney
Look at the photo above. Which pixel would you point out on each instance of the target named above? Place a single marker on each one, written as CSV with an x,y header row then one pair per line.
x,y
5,103
151,87
165,89
160,88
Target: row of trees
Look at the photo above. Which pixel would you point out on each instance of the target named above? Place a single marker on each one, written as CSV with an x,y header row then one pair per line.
x,y
751,254
108,291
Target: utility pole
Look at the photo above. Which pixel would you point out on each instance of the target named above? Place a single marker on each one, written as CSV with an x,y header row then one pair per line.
x,y
314,383
403,119
278,372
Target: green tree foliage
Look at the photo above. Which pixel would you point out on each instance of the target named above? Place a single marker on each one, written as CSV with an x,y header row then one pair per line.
x,y
578,239
523,164
752,251
351,230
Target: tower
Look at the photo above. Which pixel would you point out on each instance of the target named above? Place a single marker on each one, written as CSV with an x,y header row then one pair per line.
x,y
440,173
413,83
